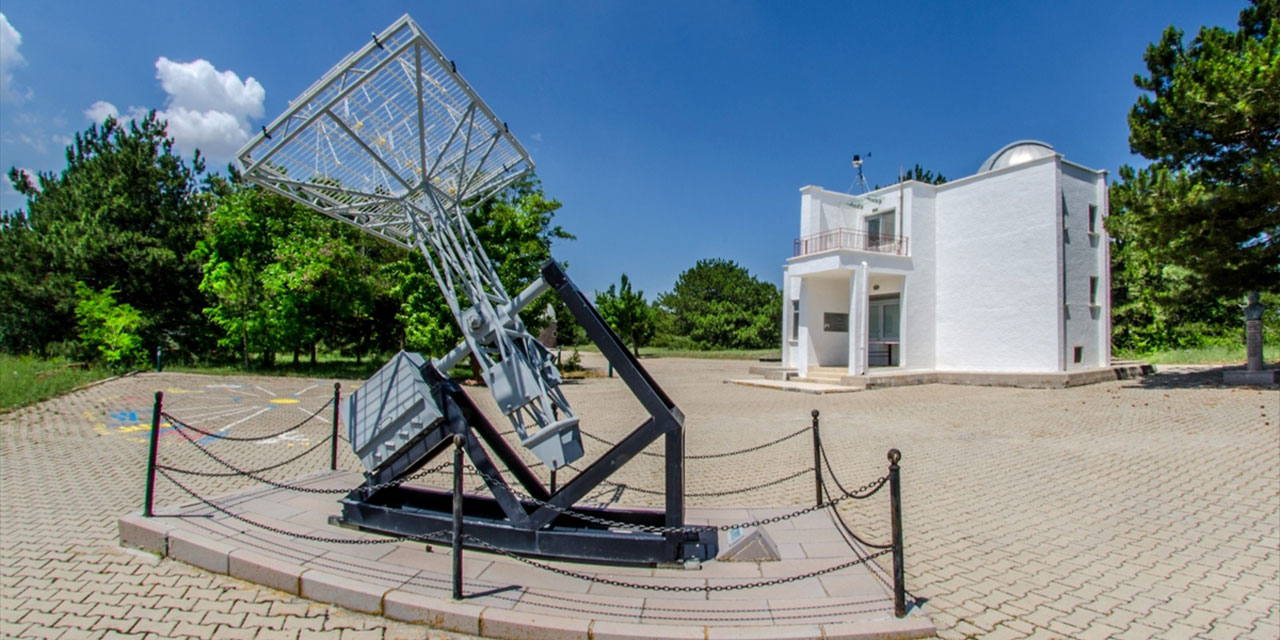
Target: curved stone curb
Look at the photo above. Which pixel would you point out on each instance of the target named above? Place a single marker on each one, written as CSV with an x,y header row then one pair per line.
x,y
182,539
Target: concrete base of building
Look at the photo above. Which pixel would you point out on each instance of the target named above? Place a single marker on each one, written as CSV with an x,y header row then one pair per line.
x,y
1122,370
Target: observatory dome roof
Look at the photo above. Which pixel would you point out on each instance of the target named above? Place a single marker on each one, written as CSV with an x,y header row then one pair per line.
x,y
1017,153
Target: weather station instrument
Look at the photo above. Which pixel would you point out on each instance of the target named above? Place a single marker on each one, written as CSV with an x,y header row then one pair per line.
x,y
392,140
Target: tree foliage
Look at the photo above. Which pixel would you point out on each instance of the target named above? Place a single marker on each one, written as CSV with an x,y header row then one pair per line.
x,y
627,312
125,213
107,330
920,174
717,304
1209,202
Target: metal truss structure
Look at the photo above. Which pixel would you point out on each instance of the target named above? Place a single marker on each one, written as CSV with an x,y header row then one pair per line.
x,y
394,141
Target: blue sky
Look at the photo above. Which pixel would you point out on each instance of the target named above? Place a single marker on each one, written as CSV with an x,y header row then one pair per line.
x,y
671,131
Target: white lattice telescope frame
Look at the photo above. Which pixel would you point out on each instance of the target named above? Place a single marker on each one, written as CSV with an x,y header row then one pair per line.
x,y
394,141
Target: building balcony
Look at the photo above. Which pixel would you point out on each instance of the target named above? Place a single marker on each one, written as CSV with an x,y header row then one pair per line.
x,y
851,239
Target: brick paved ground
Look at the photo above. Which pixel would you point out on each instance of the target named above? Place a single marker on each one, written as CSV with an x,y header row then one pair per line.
x,y
1128,509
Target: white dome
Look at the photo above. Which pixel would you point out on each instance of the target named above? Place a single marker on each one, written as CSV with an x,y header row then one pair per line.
x,y
1017,153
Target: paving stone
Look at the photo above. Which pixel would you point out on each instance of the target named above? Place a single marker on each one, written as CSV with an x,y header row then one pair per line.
x,y
1113,491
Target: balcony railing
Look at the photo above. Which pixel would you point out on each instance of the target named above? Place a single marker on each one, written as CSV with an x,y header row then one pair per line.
x,y
851,239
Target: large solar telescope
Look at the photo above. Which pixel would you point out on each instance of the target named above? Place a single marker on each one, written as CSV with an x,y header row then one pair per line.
x,y
394,141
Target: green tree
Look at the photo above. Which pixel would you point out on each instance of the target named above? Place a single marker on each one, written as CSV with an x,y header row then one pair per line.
x,y
627,312
124,213
920,174
1209,202
107,330
719,305
237,248
282,277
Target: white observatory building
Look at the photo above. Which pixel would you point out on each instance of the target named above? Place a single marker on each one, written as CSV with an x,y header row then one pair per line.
x,y
1002,272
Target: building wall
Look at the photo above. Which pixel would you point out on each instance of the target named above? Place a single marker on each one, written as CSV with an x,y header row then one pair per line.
x,y
998,306
1084,257
919,296
828,294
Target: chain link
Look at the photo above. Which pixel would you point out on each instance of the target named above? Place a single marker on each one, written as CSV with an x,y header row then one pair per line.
x,y
668,587
430,537
434,537
707,456
236,471
183,425
870,487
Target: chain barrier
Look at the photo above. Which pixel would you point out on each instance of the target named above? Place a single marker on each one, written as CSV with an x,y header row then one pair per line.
x,y
836,514
865,491
236,471
293,534
708,456
672,588
433,537
180,424
717,494
239,472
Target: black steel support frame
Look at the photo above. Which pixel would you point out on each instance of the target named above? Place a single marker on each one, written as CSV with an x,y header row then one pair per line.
x,y
502,519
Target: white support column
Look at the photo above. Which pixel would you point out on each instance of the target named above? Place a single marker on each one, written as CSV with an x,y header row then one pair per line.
x,y
786,318
802,344
858,321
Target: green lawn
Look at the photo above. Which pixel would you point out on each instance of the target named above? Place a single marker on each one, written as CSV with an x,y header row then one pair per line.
x,y
1203,355
26,380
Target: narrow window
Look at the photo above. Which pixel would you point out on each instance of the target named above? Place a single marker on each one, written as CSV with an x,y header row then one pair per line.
x,y
1093,218
795,319
1079,355
1093,291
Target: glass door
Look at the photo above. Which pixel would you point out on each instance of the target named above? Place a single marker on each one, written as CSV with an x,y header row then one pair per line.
x,y
885,313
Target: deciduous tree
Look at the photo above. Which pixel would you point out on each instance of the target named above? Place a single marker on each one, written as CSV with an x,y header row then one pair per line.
x,y
627,312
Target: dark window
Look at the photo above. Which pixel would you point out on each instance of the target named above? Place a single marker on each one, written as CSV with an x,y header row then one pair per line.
x,y
1093,291
795,319
835,322
1093,218
1079,355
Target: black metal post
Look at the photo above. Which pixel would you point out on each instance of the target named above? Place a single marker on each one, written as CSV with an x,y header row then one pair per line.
x,y
895,513
817,459
553,481
151,456
457,517
333,441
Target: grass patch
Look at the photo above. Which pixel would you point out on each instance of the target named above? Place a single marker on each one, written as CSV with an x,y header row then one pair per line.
x,y
27,380
1203,355
725,354
326,367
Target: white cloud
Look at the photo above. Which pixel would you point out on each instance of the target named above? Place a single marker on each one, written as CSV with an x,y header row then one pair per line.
x,y
206,109
536,136
101,110
10,58
98,111
199,86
